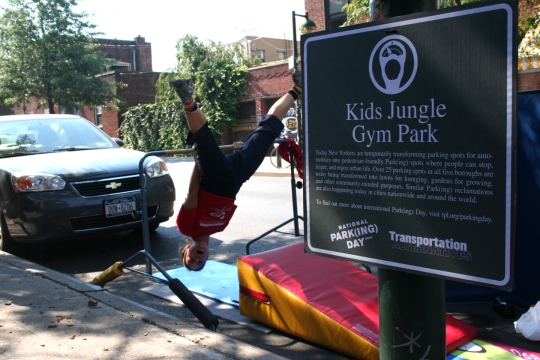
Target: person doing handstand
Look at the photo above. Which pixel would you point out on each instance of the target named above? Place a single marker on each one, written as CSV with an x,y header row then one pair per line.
x,y
216,177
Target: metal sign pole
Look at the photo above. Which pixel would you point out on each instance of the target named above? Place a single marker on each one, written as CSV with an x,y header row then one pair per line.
x,y
412,312
425,192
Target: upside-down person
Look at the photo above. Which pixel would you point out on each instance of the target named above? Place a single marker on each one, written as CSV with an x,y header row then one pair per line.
x,y
217,178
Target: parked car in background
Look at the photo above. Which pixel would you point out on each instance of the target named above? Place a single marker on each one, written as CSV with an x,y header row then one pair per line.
x,y
61,177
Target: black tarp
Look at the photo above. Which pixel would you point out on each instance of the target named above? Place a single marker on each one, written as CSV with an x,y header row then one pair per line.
x,y
527,243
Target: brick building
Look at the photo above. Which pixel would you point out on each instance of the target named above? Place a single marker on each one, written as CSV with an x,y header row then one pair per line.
x,y
267,49
132,67
133,55
269,82
528,52
140,89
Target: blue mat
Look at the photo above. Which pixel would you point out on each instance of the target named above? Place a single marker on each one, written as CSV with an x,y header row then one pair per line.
x,y
216,281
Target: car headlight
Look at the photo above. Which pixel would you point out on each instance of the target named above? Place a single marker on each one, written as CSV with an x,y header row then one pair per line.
x,y
37,182
156,168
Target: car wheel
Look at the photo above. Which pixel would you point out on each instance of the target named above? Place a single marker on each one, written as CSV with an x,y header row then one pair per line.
x,y
6,242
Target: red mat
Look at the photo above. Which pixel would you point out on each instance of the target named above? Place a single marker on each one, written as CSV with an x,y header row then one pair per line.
x,y
327,301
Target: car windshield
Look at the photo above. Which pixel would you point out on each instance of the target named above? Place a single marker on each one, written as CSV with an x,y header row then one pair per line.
x,y
36,136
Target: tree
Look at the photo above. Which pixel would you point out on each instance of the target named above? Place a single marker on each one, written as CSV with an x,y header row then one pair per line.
x,y
358,10
527,22
47,52
219,73
151,127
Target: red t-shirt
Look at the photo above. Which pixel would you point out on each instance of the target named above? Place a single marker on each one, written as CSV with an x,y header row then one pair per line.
x,y
212,215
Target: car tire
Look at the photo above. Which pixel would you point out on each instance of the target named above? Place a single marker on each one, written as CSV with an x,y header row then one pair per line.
x,y
6,242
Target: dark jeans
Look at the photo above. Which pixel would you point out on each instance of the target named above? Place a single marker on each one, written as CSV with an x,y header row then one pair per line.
x,y
223,175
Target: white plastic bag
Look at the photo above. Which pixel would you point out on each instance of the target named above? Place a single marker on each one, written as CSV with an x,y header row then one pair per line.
x,y
529,323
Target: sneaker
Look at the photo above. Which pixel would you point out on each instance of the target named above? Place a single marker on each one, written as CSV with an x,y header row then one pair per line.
x,y
184,89
297,77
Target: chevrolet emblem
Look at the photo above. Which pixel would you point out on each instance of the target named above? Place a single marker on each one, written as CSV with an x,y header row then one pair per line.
x,y
113,185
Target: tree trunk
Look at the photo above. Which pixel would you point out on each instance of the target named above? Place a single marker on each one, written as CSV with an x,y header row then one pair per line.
x,y
50,103
383,9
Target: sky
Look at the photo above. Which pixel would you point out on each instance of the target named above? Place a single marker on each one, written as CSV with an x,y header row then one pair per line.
x,y
163,22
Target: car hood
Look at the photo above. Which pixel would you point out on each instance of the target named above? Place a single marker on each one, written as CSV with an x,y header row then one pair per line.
x,y
78,165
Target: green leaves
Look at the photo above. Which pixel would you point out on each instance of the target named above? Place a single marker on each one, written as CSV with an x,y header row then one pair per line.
x,y
359,10
219,74
527,22
355,10
151,127
46,53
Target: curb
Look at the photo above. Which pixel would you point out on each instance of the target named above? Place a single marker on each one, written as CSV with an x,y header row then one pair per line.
x,y
214,341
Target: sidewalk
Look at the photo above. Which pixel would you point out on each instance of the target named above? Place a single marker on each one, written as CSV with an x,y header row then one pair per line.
x,y
47,315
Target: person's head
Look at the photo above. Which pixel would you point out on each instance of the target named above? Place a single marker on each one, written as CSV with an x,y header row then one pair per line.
x,y
195,252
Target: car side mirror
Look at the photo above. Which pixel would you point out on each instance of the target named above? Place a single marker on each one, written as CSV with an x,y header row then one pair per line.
x,y
118,141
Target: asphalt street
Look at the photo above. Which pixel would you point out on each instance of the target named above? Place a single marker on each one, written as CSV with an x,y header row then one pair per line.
x,y
263,202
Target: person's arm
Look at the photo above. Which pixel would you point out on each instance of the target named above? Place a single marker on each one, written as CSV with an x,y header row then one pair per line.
x,y
192,199
195,120
282,106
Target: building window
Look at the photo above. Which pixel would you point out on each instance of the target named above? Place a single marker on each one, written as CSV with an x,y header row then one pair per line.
x,y
97,114
281,55
260,54
335,17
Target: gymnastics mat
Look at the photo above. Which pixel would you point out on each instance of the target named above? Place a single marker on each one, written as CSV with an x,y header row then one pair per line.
x,y
216,281
329,302
216,287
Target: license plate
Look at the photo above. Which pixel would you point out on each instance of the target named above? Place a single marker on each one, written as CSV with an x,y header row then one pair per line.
x,y
119,207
